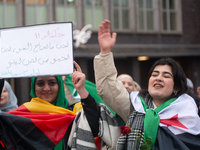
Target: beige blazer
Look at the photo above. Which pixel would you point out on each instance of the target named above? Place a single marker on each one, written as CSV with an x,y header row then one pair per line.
x,y
109,88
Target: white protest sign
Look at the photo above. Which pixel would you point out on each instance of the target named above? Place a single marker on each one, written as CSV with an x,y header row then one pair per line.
x,y
36,50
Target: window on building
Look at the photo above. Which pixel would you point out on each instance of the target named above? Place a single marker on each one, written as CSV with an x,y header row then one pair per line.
x,y
171,16
8,13
121,14
35,1
146,15
94,12
66,10
37,11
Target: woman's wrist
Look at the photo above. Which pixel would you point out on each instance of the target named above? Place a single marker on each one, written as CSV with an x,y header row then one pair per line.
x,y
83,93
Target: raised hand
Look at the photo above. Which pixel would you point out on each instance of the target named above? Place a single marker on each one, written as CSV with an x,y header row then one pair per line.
x,y
106,41
78,79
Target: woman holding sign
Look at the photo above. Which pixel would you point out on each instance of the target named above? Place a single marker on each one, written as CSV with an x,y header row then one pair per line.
x,y
45,122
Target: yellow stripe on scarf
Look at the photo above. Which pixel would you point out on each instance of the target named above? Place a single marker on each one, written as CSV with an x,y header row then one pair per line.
x,y
37,105
77,107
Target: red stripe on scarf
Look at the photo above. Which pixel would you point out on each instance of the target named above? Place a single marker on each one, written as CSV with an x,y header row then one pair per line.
x,y
54,126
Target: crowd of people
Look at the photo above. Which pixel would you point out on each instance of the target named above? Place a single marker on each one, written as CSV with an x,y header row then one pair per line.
x,y
163,117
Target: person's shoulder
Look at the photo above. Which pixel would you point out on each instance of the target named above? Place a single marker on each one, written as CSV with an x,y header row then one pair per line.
x,y
194,96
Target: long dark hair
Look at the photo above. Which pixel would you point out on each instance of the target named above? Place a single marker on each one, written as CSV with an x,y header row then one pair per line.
x,y
180,82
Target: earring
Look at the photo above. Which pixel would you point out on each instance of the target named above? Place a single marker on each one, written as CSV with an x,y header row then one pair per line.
x,y
175,92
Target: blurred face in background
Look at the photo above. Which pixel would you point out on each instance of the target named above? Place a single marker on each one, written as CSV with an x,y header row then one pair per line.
x,y
46,88
127,82
4,96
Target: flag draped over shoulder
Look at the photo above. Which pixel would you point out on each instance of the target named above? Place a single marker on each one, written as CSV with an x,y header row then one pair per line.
x,y
179,126
34,125
90,87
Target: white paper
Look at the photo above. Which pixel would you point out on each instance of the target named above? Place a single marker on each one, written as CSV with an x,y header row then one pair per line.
x,y
36,50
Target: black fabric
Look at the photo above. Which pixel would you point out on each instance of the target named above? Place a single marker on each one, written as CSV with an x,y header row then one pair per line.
x,y
120,121
166,140
66,137
1,85
92,112
22,133
191,141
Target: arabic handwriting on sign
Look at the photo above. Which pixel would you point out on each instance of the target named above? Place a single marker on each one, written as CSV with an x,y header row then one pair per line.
x,y
37,35
40,47
82,36
14,62
32,72
10,73
28,47
35,72
4,50
21,61
27,62
59,46
41,61
50,34
59,59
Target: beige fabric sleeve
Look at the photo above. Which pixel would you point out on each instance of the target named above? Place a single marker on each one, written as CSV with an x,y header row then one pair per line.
x,y
69,95
109,88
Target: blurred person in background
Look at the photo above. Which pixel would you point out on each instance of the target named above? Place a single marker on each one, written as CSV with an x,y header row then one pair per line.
x,y
191,92
8,100
129,83
198,91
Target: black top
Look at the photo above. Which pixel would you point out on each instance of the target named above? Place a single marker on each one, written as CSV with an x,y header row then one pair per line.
x,y
92,112
1,85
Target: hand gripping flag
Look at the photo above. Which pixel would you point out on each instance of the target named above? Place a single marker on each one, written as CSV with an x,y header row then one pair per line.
x,y
179,123
34,125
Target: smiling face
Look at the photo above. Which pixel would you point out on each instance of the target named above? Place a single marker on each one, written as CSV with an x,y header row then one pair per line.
x,y
4,97
46,88
161,84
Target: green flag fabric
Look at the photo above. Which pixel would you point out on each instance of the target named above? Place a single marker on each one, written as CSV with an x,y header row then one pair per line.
x,y
152,119
90,87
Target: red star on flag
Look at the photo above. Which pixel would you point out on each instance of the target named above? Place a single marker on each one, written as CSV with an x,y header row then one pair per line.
x,y
173,121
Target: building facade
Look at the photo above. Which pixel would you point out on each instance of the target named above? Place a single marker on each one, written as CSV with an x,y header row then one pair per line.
x,y
151,28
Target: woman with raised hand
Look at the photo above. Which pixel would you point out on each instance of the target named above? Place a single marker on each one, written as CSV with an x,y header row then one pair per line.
x,y
99,120
165,114
46,121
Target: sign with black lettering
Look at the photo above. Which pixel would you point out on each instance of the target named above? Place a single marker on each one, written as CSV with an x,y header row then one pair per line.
x,y
39,50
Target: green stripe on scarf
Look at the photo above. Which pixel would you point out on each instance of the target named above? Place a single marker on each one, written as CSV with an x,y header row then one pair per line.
x,y
152,119
90,87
